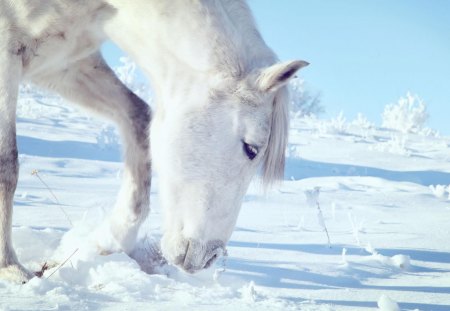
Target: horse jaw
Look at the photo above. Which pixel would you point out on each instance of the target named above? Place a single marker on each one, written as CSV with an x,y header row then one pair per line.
x,y
199,218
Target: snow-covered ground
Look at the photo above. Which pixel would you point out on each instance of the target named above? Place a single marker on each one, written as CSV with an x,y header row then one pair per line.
x,y
383,197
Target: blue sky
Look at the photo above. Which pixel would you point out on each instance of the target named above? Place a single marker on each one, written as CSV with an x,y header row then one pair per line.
x,y
363,54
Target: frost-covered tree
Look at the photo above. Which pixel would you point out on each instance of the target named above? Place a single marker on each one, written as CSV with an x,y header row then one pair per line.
x,y
408,115
128,74
303,103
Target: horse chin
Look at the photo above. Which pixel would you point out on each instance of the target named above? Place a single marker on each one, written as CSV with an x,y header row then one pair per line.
x,y
195,255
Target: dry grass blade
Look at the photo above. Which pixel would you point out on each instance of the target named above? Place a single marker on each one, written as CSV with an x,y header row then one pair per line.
x,y
63,263
36,173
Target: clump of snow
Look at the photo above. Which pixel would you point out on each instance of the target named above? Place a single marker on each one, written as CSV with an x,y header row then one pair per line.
x,y
357,227
249,293
409,114
440,191
301,223
399,261
387,304
312,196
344,257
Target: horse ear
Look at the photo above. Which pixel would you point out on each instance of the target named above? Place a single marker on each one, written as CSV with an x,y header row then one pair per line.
x,y
275,76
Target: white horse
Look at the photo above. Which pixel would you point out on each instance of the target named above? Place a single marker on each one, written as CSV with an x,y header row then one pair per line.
x,y
221,110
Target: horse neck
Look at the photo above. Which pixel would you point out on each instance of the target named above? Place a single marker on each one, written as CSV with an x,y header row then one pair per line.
x,y
181,43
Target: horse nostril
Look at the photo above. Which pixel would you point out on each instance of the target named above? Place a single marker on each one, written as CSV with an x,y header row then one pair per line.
x,y
199,256
186,252
217,249
210,261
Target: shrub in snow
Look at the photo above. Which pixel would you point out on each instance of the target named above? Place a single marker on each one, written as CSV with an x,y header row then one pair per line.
x,y
302,102
334,126
362,122
409,114
363,127
396,145
126,72
108,137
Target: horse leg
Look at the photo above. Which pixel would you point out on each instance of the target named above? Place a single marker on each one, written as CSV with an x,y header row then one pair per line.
x,y
92,84
10,72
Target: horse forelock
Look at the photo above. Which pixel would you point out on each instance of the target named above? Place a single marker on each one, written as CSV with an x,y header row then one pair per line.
x,y
274,157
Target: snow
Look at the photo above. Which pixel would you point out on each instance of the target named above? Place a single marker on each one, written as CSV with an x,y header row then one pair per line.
x,y
384,201
387,304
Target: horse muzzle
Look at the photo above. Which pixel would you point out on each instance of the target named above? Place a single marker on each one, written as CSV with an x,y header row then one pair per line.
x,y
198,256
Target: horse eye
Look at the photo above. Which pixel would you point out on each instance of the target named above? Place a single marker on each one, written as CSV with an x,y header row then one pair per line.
x,y
250,151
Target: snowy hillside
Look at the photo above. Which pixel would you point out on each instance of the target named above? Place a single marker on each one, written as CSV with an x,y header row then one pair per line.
x,y
383,197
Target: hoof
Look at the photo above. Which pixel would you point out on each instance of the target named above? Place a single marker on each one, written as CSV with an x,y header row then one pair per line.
x,y
108,239
148,256
103,240
105,244
15,273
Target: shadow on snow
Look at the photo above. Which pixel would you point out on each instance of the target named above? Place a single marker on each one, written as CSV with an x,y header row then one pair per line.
x,y
67,149
300,168
267,273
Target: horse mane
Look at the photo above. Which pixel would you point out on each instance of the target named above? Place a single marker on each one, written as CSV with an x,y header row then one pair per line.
x,y
274,157
238,47
257,54
241,49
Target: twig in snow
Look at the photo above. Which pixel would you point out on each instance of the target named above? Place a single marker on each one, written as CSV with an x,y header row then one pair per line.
x,y
40,273
355,230
312,198
36,173
322,223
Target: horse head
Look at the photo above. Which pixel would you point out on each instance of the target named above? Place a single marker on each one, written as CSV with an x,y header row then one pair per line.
x,y
207,151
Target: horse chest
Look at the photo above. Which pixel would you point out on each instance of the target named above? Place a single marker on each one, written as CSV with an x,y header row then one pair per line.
x,y
56,52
